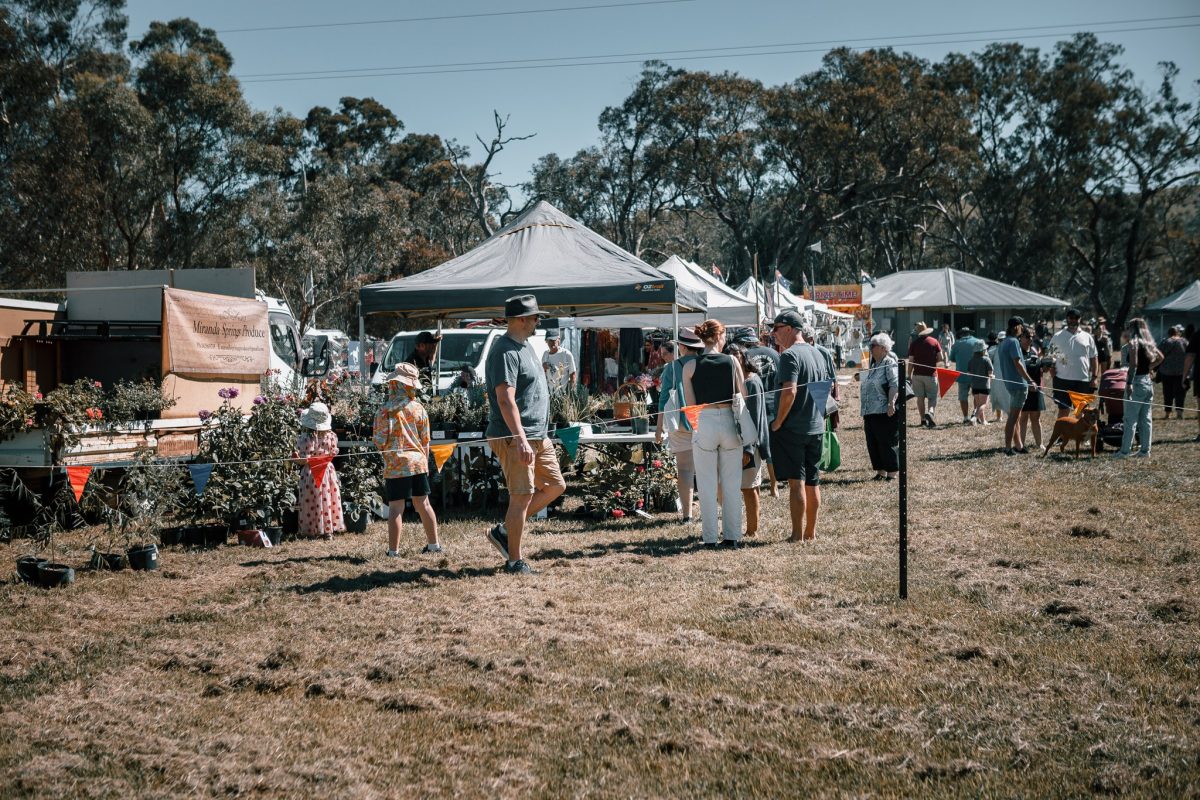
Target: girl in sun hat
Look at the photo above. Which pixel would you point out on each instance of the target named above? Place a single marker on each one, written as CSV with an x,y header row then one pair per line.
x,y
402,436
319,506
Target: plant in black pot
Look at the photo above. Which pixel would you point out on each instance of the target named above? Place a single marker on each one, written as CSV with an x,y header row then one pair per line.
x,y
253,481
360,471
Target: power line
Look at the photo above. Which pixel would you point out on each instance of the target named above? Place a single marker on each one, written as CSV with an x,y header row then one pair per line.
x,y
365,71
443,17
502,66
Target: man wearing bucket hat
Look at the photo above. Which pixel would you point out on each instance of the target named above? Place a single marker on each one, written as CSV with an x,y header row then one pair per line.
x,y
518,425
401,434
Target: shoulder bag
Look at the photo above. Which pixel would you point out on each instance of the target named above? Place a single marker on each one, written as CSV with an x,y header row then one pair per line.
x,y
743,423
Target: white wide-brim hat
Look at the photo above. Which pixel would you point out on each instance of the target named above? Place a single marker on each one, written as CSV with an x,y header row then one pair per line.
x,y
317,417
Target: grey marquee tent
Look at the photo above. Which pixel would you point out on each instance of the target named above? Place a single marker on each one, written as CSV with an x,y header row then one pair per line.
x,y
1178,308
572,270
935,296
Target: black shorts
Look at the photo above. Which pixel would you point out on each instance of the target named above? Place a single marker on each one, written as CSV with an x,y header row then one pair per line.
x,y
1062,386
796,456
983,392
405,488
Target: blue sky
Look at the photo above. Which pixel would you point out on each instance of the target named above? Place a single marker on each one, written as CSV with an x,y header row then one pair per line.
x,y
561,105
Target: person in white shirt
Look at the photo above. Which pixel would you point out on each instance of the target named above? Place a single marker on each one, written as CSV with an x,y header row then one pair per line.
x,y
559,365
1076,363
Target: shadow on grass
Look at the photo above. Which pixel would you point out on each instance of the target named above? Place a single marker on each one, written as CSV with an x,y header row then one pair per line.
x,y
658,548
969,455
264,562
380,579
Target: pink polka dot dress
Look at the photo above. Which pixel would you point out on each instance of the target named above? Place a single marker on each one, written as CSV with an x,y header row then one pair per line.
x,y
320,507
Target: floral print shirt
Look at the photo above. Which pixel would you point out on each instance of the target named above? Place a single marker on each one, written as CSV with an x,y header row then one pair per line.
x,y
402,436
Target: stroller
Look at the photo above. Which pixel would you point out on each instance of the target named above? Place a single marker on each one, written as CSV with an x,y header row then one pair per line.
x,y
1112,403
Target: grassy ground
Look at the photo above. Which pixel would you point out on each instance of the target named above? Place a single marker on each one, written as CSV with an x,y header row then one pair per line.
x,y
1050,647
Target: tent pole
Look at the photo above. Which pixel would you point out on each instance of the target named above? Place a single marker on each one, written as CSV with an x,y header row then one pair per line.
x,y
437,375
363,369
757,313
675,319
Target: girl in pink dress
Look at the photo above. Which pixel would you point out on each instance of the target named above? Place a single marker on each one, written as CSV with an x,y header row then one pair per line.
x,y
320,506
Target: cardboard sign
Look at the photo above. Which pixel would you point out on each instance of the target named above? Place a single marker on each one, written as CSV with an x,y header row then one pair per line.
x,y
207,334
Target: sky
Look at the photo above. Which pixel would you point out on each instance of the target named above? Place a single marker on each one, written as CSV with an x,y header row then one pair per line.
x,y
561,104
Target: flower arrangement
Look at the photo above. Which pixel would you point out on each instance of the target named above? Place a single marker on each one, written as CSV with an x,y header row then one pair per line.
x,y
16,411
253,480
627,484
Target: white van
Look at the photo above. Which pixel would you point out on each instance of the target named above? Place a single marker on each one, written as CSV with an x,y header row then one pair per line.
x,y
460,347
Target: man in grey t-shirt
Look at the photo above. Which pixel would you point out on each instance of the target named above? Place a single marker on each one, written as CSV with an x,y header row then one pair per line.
x,y
799,422
519,403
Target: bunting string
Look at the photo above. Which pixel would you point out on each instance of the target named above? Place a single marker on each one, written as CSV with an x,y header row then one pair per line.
x,y
1078,400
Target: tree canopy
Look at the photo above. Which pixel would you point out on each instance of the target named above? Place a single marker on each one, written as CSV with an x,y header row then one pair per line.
x,y
1056,170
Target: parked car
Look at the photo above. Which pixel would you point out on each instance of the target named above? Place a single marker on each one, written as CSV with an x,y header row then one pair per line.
x,y
461,347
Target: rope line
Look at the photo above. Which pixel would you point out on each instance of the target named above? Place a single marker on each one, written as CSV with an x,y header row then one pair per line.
x,y
368,450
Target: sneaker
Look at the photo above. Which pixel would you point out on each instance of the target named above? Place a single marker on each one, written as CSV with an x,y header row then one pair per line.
x,y
1121,455
1010,452
392,554
432,548
968,421
1023,451
1139,454
520,567
732,544
929,423
708,545
879,477
498,536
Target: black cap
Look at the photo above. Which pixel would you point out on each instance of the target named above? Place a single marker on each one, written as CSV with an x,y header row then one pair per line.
x,y
1015,321
789,318
744,336
553,335
1074,312
426,337
523,305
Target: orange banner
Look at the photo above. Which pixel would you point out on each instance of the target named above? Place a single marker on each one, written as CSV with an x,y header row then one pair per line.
x,y
839,294
693,415
441,453
209,334
946,378
1080,401
78,478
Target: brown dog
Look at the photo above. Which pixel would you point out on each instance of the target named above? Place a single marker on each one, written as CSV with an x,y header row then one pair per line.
x,y
1077,428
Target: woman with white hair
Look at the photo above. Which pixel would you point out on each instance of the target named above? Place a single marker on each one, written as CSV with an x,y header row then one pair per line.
x,y
878,398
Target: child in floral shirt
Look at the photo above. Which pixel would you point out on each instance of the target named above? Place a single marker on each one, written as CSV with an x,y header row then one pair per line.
x,y
402,436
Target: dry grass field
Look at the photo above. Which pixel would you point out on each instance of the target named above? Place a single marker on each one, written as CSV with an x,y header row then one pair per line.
x,y
1050,648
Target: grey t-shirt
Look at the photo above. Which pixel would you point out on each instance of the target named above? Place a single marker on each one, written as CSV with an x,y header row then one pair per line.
x,y
803,363
512,362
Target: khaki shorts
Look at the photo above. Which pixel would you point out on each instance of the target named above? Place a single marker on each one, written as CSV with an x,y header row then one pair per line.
x,y
523,478
680,445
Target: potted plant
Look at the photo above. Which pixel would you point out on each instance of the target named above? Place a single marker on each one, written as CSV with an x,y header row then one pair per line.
x,y
253,482
360,471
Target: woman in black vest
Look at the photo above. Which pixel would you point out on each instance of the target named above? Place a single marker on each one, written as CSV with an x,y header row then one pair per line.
x,y
711,381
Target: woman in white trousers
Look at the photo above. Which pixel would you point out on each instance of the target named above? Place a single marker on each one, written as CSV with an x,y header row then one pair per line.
x,y
712,380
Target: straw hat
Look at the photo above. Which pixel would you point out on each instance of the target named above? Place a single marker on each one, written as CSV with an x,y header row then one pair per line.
x,y
406,375
317,417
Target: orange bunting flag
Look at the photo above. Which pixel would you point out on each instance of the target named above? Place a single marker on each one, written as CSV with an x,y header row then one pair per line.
x,y
1080,401
441,453
318,465
78,478
693,415
946,378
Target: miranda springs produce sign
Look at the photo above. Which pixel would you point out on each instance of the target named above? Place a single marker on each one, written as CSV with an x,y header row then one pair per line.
x,y
210,334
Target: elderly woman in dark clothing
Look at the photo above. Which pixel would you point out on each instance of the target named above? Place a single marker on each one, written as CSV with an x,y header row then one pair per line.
x,y
754,456
877,401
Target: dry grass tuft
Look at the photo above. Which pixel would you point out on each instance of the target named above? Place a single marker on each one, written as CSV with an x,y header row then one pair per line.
x,y
1051,647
